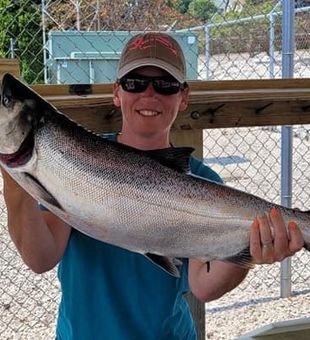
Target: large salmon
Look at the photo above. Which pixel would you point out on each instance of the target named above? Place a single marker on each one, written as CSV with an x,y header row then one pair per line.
x,y
144,201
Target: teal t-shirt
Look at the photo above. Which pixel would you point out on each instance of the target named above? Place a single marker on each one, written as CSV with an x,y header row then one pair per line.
x,y
113,294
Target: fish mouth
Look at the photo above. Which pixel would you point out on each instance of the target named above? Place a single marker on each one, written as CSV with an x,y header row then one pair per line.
x,y
22,155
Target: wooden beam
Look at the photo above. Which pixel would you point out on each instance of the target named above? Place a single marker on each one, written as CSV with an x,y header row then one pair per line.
x,y
212,104
9,66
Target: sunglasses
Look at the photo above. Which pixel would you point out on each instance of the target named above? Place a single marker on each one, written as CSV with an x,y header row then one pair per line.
x,y
165,85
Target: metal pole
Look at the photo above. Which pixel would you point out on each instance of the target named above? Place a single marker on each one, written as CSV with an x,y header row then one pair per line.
x,y
98,15
272,17
12,48
207,50
272,39
44,43
78,23
288,14
76,5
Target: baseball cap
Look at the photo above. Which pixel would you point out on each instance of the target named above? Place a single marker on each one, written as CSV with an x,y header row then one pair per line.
x,y
153,49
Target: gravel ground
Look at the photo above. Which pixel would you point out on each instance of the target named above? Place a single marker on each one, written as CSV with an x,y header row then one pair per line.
x,y
244,66
255,303
29,301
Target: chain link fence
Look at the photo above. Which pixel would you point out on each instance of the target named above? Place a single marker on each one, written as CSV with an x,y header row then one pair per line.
x,y
80,41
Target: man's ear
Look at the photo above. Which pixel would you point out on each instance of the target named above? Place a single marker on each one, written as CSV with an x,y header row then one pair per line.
x,y
116,99
184,100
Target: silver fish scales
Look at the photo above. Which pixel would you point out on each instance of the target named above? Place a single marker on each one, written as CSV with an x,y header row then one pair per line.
x,y
143,201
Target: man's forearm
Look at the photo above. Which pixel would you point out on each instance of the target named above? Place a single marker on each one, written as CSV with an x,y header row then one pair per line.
x,y
30,233
211,283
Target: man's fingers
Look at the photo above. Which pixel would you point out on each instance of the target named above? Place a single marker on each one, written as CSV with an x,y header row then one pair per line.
x,y
271,240
255,244
266,239
296,239
281,240
265,231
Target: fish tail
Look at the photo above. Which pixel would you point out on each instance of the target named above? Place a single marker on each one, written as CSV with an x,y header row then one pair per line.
x,y
307,246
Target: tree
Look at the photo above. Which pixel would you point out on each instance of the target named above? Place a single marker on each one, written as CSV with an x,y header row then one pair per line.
x,y
180,5
133,15
20,24
202,9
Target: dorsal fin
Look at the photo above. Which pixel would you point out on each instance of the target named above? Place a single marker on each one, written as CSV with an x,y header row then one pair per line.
x,y
175,158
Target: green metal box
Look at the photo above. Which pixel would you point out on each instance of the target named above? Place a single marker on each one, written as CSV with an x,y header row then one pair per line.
x,y
83,57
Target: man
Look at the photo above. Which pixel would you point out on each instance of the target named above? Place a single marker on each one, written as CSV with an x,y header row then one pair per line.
x,y
112,293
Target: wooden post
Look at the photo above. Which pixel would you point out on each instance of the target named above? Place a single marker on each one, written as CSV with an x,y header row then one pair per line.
x,y
189,138
193,138
198,312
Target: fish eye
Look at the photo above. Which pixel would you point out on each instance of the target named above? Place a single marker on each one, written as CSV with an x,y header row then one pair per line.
x,y
29,118
6,101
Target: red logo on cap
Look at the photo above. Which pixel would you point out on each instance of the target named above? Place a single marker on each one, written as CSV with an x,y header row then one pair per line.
x,y
143,43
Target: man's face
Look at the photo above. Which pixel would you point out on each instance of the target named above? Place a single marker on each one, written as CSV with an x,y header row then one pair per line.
x,y
149,112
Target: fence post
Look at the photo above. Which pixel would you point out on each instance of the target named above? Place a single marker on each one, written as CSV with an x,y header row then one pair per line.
x,y
43,11
207,50
272,17
288,14
199,316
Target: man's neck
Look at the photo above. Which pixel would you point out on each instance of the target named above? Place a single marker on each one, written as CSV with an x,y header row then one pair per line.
x,y
147,142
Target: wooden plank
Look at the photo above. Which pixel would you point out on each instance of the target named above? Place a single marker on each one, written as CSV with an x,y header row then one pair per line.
x,y
296,329
9,66
198,312
212,104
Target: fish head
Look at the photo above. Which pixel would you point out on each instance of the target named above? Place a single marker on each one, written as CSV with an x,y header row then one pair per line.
x,y
19,115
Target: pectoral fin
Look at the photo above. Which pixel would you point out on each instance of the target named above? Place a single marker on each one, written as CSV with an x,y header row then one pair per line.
x,y
243,259
38,190
169,265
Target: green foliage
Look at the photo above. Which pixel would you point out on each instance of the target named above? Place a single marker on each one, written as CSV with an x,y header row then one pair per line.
x,y
250,9
181,5
20,21
5,20
202,9
258,7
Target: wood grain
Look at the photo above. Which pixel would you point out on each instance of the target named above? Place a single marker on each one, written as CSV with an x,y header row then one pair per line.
x,y
212,104
9,66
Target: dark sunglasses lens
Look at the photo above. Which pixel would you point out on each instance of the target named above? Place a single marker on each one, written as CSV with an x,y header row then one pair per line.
x,y
134,85
166,87
162,86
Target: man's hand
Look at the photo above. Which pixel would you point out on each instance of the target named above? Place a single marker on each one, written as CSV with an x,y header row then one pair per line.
x,y
271,241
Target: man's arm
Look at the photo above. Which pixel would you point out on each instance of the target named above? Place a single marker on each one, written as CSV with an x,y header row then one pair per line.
x,y
267,245
40,237
220,279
